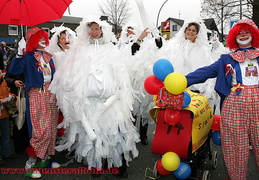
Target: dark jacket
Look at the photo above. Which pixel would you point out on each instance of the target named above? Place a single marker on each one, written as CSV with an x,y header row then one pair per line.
x,y
135,47
218,70
33,78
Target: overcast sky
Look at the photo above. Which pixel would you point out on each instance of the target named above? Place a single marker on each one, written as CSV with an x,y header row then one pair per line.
x,y
182,9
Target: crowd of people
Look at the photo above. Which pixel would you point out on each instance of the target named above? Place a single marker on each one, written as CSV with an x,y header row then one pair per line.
x,y
96,85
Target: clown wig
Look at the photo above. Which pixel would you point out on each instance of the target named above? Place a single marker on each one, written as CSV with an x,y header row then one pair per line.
x,y
33,42
231,38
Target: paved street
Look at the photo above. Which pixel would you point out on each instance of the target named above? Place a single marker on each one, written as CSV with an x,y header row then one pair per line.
x,y
136,169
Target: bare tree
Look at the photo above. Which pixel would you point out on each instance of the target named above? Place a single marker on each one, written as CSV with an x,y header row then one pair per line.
x,y
117,12
225,11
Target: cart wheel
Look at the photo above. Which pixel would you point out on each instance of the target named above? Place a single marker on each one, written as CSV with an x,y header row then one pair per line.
x,y
155,173
206,175
214,159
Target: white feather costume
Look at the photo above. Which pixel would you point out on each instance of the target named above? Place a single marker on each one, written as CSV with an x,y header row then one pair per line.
x,y
125,42
187,56
94,93
140,66
57,54
217,48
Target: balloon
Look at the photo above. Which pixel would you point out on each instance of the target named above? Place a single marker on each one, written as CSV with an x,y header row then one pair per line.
x,y
175,83
216,123
170,161
160,169
172,117
186,99
216,138
183,172
152,85
162,68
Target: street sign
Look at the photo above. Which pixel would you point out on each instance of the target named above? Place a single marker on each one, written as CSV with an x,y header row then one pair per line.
x,y
165,26
232,23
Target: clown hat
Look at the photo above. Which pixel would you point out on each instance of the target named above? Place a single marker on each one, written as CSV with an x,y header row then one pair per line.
x,y
31,32
247,21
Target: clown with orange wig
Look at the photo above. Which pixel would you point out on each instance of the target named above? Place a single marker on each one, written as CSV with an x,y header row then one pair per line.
x,y
41,109
238,86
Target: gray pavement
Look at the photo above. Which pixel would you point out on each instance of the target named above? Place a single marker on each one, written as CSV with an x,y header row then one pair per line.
x,y
136,169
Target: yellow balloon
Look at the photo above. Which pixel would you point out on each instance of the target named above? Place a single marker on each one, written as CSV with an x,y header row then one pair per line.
x,y
175,83
170,161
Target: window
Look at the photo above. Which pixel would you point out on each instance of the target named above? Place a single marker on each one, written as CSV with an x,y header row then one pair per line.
x,y
47,30
174,27
13,30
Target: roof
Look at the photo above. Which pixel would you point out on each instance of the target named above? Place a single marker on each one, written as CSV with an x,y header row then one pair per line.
x,y
209,23
74,20
177,21
68,20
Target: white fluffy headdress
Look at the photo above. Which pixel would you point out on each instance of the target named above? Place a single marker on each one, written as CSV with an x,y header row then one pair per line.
x,y
124,32
202,35
53,46
83,29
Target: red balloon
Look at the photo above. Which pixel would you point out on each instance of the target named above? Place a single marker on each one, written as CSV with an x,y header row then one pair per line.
x,y
160,169
216,123
152,85
172,117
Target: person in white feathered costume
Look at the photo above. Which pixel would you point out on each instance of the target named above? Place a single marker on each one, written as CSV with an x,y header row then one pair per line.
x,y
217,48
128,36
189,50
60,42
141,52
95,96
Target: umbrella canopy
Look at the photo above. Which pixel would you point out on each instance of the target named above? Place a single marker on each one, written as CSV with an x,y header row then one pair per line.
x,y
31,12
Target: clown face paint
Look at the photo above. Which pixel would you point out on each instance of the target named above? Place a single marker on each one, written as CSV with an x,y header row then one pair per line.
x,y
42,44
244,40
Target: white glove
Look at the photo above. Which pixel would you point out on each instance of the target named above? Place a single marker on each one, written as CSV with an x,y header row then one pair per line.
x,y
155,33
21,46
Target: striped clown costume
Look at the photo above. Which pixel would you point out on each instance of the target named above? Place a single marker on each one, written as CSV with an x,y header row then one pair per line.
x,y
41,108
237,83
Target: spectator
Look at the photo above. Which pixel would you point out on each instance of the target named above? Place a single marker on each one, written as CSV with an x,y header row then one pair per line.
x,y
5,96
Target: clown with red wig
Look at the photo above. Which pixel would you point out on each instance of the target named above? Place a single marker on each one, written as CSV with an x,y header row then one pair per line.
x,y
237,84
41,109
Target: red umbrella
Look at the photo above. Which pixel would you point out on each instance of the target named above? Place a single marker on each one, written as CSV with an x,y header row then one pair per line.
x,y
31,12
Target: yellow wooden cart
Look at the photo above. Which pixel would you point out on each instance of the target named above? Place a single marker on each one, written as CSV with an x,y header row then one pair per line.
x,y
190,138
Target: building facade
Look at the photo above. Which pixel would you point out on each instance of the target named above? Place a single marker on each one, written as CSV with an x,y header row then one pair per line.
x,y
12,33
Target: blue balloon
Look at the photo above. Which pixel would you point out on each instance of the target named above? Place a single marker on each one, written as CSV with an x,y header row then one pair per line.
x,y
216,138
162,68
186,99
183,172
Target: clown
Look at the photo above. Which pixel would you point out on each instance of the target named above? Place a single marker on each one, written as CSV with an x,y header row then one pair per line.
x,y
237,85
41,109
